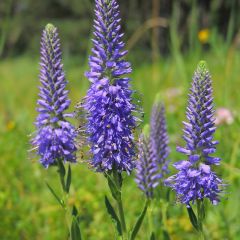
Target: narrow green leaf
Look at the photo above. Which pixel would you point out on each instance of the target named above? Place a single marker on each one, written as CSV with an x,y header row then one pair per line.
x,y
69,179
55,195
113,215
75,230
193,218
139,222
61,168
113,188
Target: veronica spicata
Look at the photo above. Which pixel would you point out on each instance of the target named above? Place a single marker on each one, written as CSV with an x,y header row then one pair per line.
x,y
159,139
110,120
195,179
152,162
54,138
147,175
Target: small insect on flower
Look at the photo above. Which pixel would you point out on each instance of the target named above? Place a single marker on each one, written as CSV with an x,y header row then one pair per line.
x,y
109,106
54,138
195,179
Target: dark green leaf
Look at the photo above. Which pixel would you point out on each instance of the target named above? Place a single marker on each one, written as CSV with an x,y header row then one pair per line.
x,y
152,236
193,218
202,211
113,215
168,193
62,172
166,235
69,179
75,230
139,222
55,195
120,179
74,211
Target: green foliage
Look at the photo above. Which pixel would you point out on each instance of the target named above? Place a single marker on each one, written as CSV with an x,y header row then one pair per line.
x,y
113,188
193,218
55,195
69,179
113,215
75,230
139,222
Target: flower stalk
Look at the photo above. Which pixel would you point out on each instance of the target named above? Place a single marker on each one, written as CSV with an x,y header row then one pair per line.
x,y
109,107
118,181
200,216
65,192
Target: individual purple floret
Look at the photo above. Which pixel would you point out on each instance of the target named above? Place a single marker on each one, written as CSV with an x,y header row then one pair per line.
x,y
159,138
195,180
108,103
55,136
147,171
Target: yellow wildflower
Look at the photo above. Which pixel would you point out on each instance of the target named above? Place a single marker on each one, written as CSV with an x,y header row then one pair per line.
x,y
10,125
203,35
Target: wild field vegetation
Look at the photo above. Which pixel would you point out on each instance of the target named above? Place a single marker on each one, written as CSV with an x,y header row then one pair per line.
x,y
27,205
27,208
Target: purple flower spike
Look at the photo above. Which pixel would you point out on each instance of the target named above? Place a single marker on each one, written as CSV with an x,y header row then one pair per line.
x,y
195,179
110,120
159,138
152,164
55,136
147,171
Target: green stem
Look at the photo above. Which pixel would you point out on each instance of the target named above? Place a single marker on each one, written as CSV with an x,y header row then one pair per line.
x,y
117,179
139,221
62,183
122,218
65,195
62,172
150,216
201,236
164,218
67,211
200,216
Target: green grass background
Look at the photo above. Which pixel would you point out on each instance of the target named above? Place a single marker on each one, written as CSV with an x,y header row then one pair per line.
x,y
27,208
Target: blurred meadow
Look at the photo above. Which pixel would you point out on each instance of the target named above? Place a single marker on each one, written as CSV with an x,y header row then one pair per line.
x,y
166,39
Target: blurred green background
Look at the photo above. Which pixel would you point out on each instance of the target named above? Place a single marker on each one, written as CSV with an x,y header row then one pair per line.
x,y
166,39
